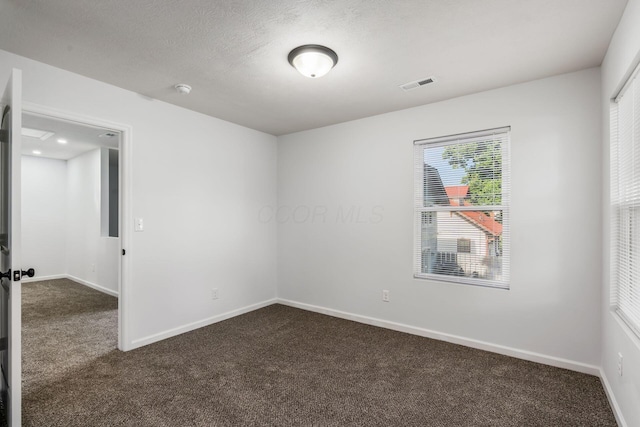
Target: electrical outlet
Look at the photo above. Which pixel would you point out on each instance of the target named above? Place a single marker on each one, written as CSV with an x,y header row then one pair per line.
x,y
214,293
385,296
620,364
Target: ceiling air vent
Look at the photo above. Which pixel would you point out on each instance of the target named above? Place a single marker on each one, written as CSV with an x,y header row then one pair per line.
x,y
416,84
42,135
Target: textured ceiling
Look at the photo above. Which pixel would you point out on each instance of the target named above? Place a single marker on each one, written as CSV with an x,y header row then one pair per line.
x,y
234,53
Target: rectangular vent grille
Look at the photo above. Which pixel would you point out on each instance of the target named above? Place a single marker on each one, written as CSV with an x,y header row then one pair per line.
x,y
416,84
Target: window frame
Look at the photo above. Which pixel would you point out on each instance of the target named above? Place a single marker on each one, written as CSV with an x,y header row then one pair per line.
x,y
504,133
624,207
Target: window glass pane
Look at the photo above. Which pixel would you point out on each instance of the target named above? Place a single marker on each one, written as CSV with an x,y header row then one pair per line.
x,y
464,174
463,244
628,280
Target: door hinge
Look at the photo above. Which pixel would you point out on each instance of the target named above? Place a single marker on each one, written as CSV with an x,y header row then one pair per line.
x,y
16,276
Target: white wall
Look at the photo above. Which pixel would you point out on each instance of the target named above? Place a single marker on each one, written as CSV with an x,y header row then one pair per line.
x,y
198,182
60,213
44,199
91,258
621,58
553,306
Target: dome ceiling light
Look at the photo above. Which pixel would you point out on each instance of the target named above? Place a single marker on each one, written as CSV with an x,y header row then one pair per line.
x,y
313,60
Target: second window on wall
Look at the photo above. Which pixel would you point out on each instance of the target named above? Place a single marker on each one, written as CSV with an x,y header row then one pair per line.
x,y
625,203
462,208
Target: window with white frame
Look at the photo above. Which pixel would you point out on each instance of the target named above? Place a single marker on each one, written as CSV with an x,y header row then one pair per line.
x,y
461,208
625,203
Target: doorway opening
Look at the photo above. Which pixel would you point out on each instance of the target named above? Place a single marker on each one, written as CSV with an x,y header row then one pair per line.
x,y
94,155
71,230
71,236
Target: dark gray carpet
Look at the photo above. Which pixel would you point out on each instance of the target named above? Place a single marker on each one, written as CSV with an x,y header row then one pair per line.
x,y
278,366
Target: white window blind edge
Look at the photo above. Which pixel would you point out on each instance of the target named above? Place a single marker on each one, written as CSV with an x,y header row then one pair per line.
x,y
463,136
627,83
469,208
418,156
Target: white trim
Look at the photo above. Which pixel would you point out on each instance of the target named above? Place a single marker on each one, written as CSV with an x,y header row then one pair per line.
x,y
454,339
629,332
42,278
454,208
199,324
125,220
30,107
627,83
462,280
13,372
455,138
617,412
92,285
73,279
126,191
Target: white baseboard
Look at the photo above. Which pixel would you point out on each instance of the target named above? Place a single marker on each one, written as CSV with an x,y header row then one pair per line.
x,y
495,348
617,412
42,278
199,324
92,285
72,278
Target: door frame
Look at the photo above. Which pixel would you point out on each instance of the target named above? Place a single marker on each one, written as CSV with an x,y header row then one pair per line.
x,y
125,188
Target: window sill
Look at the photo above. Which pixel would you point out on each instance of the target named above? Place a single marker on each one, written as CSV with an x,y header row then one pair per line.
x,y
628,331
462,281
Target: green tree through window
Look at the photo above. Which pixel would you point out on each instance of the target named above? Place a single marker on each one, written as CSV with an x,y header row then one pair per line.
x,y
482,163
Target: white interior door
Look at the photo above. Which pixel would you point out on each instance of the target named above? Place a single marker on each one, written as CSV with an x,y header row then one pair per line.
x,y
10,241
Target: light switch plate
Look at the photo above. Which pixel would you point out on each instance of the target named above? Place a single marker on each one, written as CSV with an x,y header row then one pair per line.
x,y
139,224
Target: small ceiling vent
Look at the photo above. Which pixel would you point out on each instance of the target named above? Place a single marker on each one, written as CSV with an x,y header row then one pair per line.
x,y
416,84
42,135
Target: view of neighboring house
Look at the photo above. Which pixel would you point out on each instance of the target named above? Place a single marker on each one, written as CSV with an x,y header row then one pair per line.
x,y
458,243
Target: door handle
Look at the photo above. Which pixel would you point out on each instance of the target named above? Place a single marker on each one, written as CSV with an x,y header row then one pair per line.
x,y
29,273
18,274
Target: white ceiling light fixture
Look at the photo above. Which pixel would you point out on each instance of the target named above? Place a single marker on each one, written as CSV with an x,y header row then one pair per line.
x,y
37,152
183,89
313,60
62,141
